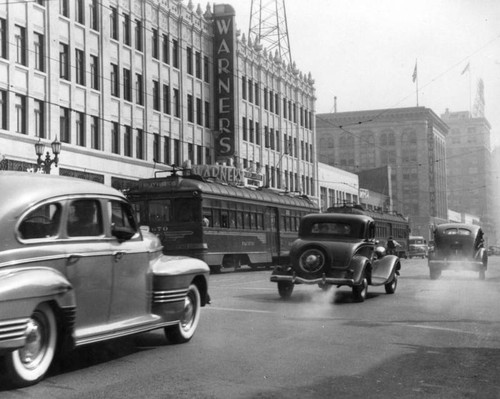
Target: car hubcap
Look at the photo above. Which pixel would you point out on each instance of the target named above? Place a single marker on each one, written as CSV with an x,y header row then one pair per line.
x,y
34,349
188,314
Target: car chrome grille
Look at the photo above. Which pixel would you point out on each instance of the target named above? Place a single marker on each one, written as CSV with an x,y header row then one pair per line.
x,y
12,329
169,296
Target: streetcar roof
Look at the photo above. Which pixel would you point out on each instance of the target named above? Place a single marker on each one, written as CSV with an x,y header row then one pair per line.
x,y
207,188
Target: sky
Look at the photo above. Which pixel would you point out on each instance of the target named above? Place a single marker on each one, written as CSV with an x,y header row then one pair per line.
x,y
364,52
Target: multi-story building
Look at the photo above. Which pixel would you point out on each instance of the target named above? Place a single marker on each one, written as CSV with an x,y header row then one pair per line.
x,y
409,140
470,175
129,87
336,187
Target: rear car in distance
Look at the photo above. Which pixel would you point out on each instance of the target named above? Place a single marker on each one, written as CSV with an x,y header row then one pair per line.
x,y
418,247
458,247
338,249
76,269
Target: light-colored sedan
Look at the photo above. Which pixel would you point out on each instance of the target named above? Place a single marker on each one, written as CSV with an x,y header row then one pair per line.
x,y
76,269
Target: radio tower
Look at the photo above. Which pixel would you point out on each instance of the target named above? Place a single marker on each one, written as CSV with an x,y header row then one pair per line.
x,y
268,27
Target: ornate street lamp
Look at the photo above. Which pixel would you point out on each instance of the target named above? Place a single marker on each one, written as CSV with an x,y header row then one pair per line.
x,y
45,164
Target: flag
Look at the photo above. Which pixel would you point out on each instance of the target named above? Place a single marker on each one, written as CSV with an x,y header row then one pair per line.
x,y
414,76
467,68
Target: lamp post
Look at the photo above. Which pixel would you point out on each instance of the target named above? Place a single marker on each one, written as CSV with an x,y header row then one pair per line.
x,y
45,164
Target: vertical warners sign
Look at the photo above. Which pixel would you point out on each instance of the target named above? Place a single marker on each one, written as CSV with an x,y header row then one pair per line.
x,y
225,80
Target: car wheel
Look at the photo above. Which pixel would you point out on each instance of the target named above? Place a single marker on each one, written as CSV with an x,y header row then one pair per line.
x,y
359,291
29,364
185,329
312,262
390,288
434,274
285,289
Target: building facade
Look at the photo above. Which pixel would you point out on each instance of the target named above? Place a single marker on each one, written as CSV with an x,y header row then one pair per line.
x,y
336,187
409,140
131,87
470,177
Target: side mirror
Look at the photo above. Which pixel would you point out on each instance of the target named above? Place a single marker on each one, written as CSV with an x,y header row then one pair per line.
x,y
122,233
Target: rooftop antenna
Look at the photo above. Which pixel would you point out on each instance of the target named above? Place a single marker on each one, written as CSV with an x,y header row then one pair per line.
x,y
268,27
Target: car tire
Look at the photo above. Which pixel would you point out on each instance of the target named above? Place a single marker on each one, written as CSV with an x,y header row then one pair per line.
x,y
359,291
185,329
285,289
390,288
312,262
434,274
29,364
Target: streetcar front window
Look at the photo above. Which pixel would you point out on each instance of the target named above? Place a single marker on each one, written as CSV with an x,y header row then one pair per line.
x,y
187,210
160,211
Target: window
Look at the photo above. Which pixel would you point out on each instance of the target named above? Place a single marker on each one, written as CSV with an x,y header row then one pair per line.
x,y
64,124
79,11
177,152
156,95
20,37
154,44
139,144
64,8
126,29
127,85
115,138
94,15
3,109
115,85
250,90
80,66
138,34
156,147
80,129
43,222
166,49
20,106
257,101
139,90
122,216
175,53
113,23
207,114
166,99
127,141
245,133
94,72
166,151
189,60
95,133
64,61
39,109
197,64
206,69
199,112
3,38
39,52
243,88
190,108
85,218
177,104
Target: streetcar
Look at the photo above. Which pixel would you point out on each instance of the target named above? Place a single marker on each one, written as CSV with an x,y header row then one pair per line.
x,y
220,220
387,224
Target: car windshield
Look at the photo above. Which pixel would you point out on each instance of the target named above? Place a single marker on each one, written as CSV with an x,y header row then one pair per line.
x,y
331,228
455,231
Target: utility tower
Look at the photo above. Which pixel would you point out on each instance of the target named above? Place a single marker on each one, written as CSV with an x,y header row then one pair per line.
x,y
268,27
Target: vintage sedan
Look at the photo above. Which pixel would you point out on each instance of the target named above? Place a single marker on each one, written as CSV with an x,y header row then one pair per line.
x,y
458,247
338,249
76,269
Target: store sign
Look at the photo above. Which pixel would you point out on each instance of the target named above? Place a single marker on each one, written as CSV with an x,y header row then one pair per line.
x,y
225,80
229,174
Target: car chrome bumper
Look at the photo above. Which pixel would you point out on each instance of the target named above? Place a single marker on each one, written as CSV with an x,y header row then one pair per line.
x,y
320,280
458,264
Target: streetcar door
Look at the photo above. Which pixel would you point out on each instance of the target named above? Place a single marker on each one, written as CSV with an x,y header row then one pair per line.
x,y
272,216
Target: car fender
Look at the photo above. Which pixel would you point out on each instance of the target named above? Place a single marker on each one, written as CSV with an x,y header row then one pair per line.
x,y
25,288
384,268
359,266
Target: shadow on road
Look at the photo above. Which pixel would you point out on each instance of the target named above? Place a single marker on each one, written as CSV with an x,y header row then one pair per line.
x,y
425,372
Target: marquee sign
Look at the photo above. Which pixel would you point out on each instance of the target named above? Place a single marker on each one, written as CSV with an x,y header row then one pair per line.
x,y
225,80
229,174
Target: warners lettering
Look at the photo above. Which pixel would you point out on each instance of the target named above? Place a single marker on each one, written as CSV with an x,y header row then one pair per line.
x,y
224,42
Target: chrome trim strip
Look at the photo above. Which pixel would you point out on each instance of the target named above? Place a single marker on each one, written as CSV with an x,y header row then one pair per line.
x,y
319,280
13,329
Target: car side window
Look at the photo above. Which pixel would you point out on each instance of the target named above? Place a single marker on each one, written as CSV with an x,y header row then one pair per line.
x,y
42,222
122,215
85,218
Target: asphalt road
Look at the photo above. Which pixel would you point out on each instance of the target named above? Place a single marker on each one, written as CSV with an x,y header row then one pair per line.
x,y
431,339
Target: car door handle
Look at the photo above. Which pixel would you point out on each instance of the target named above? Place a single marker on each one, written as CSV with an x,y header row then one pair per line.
x,y
73,258
119,255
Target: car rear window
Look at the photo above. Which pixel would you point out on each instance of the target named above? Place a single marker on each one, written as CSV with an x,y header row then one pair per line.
x,y
332,228
455,231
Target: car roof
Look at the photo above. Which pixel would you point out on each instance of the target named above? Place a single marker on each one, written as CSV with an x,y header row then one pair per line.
x,y
344,217
22,189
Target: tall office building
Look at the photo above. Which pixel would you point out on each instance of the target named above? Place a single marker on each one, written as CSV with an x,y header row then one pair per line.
x,y
130,87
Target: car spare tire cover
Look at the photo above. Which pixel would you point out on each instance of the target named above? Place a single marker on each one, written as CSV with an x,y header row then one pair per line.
x,y
311,262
